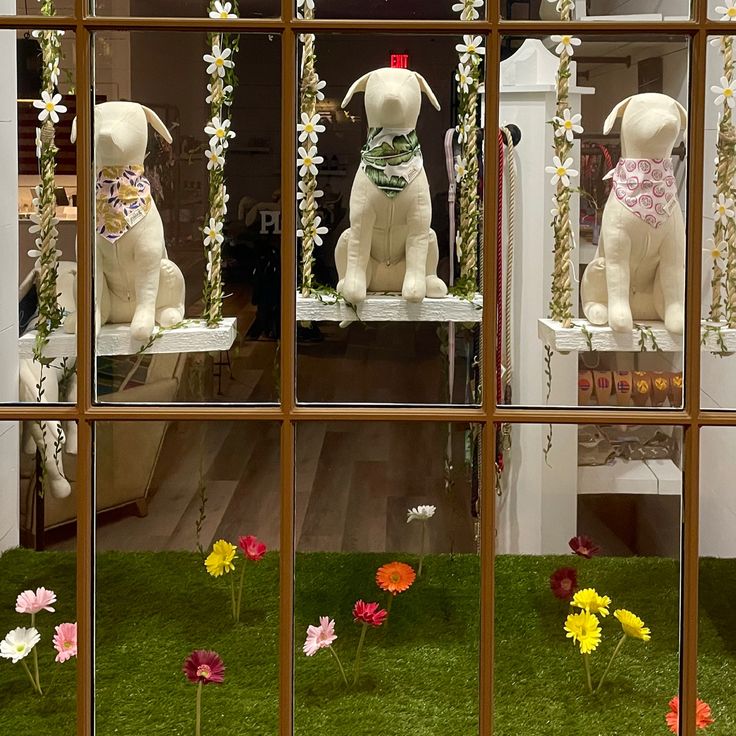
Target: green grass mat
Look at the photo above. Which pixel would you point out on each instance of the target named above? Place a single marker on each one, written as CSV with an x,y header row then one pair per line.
x,y
420,675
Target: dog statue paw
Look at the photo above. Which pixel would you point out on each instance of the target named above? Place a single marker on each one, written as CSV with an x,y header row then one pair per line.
x,y
390,246
639,269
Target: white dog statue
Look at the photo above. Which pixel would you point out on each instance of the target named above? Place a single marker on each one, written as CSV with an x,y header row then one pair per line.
x,y
639,268
390,245
136,282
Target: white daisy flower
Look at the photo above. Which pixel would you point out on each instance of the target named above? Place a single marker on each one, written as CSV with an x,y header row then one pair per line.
x,y
35,253
468,10
723,209
461,168
215,159
49,106
561,171
568,125
308,160
222,10
220,132
471,46
18,643
301,195
727,11
227,90
725,92
213,233
219,61
420,513
320,86
717,252
309,128
315,231
300,4
463,128
54,72
566,43
36,220
464,77
39,144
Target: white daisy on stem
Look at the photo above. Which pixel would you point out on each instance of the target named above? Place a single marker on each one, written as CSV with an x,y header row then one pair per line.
x,y
213,233
468,10
219,61
568,125
725,93
464,77
54,72
17,645
226,91
309,128
222,10
461,168
301,195
308,160
318,89
39,143
49,106
724,209
717,252
566,43
422,514
727,11
561,171
220,132
315,230
215,159
470,47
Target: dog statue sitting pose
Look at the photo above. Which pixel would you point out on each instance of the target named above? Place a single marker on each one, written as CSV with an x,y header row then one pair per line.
x,y
639,268
390,245
136,282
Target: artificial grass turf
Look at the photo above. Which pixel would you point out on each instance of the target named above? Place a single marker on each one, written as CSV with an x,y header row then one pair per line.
x,y
419,674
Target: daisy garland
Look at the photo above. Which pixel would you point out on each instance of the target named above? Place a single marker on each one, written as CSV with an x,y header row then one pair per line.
x,y
220,66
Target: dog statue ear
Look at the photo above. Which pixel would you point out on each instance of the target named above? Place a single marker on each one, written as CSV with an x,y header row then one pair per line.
x,y
157,124
73,136
424,86
683,115
615,113
358,85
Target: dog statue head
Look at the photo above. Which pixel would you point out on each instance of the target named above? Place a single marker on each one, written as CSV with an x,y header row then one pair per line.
x,y
393,97
651,124
121,133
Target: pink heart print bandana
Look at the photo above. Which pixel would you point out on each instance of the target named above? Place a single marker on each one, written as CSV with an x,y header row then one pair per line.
x,y
646,187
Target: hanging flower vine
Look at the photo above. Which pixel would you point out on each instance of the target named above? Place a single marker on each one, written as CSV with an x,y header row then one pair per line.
x,y
309,129
221,70
467,166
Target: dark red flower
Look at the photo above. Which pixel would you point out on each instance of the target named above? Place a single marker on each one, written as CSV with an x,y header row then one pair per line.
x,y
205,667
252,547
583,546
369,613
564,583
703,717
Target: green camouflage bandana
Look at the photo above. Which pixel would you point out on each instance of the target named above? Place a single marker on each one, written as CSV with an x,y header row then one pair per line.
x,y
391,159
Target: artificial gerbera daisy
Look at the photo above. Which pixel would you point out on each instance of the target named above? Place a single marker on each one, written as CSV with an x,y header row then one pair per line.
x,y
420,513
395,577
220,560
583,546
590,601
204,667
369,613
18,643
30,602
564,583
252,547
703,715
632,625
320,637
65,641
584,629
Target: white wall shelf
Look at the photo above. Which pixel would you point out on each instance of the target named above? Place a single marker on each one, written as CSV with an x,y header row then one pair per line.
x,y
604,339
390,308
716,335
655,477
192,337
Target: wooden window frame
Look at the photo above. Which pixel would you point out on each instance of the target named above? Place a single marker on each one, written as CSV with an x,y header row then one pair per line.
x,y
289,414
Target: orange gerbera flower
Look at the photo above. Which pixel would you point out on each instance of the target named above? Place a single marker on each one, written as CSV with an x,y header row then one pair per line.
x,y
395,577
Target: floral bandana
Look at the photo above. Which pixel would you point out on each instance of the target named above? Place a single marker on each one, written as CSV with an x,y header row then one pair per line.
x,y
646,187
391,159
123,198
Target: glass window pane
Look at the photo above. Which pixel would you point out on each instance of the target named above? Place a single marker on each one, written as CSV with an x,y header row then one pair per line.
x,y
36,7
597,10
391,10
598,518
188,315
198,493
38,576
367,509
187,8
593,253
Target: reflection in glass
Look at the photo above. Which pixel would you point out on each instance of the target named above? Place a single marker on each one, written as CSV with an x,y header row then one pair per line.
x,y
599,10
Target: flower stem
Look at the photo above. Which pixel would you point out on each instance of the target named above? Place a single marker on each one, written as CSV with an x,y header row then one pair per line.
x,y
610,661
586,662
30,676
35,658
421,550
388,608
240,592
339,664
356,668
232,598
198,716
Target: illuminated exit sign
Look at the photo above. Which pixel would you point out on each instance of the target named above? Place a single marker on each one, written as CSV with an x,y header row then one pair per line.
x,y
399,61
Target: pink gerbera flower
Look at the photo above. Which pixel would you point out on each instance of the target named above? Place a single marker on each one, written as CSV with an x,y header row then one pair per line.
x,y
703,715
320,637
252,547
564,583
583,546
205,667
369,613
30,602
65,641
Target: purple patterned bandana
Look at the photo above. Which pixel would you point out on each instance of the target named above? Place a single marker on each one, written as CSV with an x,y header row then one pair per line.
x,y
123,198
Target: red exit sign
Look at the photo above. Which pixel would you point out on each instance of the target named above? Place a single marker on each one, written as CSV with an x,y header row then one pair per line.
x,y
399,61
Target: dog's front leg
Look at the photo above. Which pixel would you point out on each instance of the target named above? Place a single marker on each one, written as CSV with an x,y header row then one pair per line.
x,y
355,286
672,274
147,274
618,279
417,249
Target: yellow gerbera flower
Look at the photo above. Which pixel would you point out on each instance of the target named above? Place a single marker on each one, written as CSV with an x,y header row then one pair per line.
x,y
632,625
584,629
590,601
220,560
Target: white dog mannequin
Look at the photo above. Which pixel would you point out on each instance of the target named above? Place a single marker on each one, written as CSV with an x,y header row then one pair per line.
x,y
639,268
389,245
136,281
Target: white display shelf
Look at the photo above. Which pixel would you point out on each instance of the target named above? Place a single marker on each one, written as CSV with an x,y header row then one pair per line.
x,y
192,337
390,308
714,342
639,477
604,339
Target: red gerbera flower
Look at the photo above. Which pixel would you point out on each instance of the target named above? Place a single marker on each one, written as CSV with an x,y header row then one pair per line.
x,y
369,613
205,667
564,583
584,546
252,547
703,717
